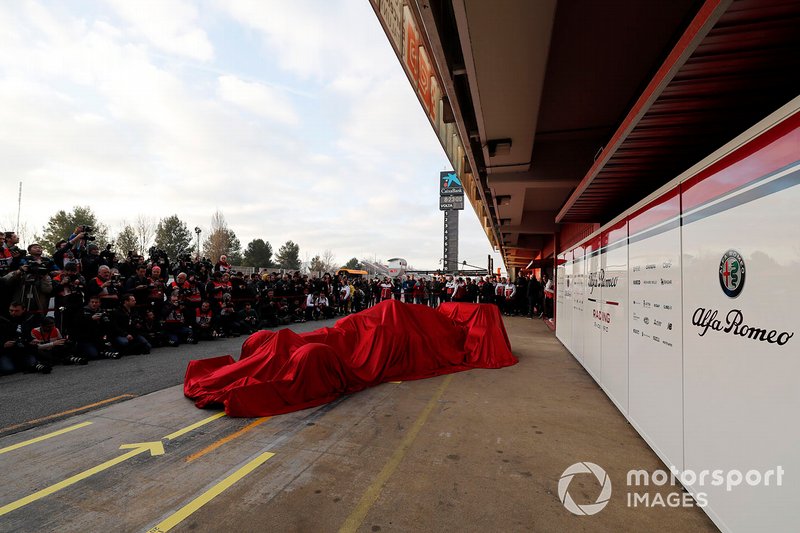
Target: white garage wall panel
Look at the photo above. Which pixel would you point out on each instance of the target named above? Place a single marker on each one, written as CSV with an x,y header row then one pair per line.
x,y
592,308
560,314
567,309
613,319
655,357
576,284
687,319
742,350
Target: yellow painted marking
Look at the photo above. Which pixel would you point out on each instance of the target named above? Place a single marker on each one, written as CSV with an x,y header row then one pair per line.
x,y
155,448
229,438
187,510
43,437
396,382
355,519
71,411
194,426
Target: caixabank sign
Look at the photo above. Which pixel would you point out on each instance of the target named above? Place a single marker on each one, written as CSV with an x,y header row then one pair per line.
x,y
688,319
449,184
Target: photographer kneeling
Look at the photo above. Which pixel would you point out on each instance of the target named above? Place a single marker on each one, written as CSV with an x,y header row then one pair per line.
x,y
127,327
16,351
50,344
89,331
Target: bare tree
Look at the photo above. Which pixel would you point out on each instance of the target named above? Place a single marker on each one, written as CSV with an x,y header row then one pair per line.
x,y
26,234
145,229
222,240
329,262
305,263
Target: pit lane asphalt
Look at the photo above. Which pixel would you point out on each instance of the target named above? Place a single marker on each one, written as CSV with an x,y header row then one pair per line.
x,y
29,400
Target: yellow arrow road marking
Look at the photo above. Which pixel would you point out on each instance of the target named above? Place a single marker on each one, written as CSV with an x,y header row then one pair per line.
x,y
194,426
181,514
43,437
155,448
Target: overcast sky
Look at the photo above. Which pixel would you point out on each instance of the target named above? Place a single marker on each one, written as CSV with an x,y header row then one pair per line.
x,y
293,118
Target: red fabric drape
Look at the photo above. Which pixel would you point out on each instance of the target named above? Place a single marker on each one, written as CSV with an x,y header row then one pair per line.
x,y
282,371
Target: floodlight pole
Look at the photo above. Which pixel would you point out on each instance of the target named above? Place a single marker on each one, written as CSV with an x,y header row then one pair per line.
x,y
198,231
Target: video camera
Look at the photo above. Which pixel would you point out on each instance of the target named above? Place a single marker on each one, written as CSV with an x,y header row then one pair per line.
x,y
157,255
35,269
108,252
87,231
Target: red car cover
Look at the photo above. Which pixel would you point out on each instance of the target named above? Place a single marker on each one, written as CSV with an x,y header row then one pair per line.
x,y
282,371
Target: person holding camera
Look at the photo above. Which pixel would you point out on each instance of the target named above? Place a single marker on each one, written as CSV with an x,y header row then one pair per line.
x,y
89,331
222,265
91,261
157,288
68,290
70,250
17,353
51,345
205,322
227,317
31,283
138,284
174,315
249,319
106,287
127,327
10,254
152,329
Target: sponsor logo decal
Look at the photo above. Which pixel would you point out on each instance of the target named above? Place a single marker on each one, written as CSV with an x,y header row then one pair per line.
x,y
599,279
733,323
732,273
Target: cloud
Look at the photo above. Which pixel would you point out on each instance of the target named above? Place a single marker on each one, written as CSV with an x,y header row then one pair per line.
x,y
318,40
318,138
170,25
258,99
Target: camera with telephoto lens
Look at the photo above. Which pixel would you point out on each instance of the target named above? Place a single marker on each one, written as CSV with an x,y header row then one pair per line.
x,y
87,230
36,269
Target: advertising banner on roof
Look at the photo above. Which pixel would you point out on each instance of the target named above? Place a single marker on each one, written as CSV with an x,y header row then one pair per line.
x,y
392,13
436,97
411,45
424,80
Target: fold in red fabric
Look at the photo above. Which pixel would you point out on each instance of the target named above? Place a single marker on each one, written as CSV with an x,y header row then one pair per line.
x,y
282,371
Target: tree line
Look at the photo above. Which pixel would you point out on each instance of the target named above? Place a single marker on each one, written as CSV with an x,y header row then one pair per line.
x,y
173,236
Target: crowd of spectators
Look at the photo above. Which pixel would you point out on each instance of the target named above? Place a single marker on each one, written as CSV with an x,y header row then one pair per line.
x,y
84,303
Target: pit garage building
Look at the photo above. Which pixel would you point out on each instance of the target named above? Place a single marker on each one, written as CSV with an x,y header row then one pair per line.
x,y
647,154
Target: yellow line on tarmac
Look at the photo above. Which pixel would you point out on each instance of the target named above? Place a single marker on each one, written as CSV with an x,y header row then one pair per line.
x,y
187,510
43,437
227,439
71,411
355,519
155,448
194,426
